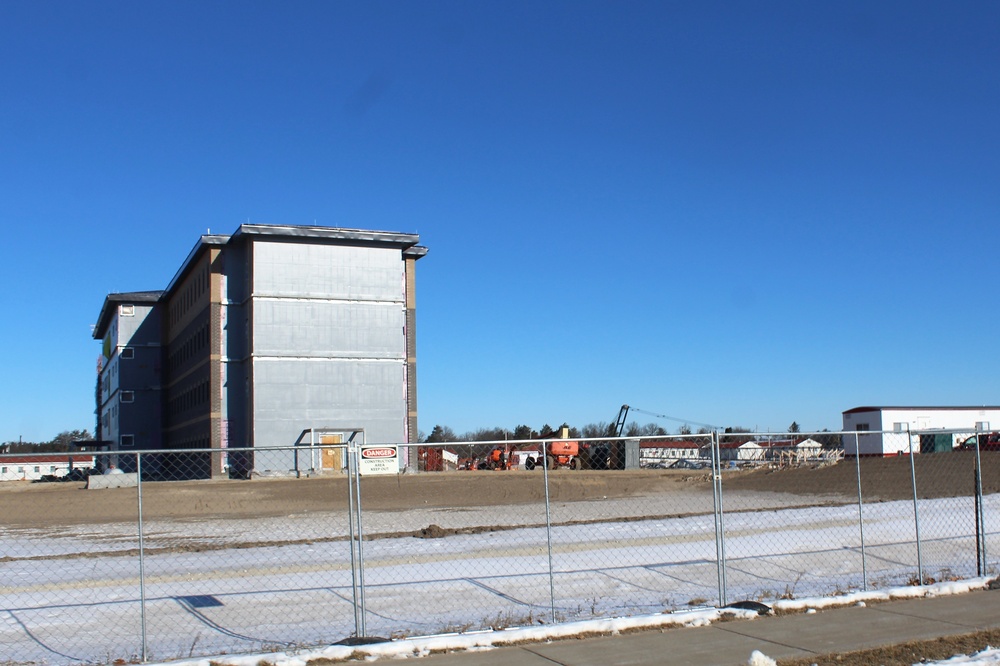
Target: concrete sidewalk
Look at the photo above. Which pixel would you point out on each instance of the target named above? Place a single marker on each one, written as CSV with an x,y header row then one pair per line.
x,y
832,631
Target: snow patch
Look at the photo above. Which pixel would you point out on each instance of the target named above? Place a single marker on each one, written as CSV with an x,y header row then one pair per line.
x,y
488,640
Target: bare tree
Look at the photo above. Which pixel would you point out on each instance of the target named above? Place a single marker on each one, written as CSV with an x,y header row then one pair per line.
x,y
599,429
442,433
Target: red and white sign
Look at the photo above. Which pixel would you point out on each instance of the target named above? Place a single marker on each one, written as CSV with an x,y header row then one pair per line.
x,y
378,460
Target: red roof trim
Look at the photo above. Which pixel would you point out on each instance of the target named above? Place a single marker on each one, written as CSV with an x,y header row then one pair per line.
x,y
31,460
671,444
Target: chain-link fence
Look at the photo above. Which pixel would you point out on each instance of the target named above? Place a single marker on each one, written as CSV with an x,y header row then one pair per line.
x,y
139,556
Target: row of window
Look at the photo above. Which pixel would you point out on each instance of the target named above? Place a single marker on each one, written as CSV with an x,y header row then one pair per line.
x,y
125,353
190,443
110,416
196,286
193,398
20,470
193,346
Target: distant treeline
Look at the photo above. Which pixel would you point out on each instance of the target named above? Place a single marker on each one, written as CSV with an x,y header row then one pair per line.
x,y
60,443
442,433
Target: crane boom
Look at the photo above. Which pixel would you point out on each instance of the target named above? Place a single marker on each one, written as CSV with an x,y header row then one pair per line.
x,y
620,423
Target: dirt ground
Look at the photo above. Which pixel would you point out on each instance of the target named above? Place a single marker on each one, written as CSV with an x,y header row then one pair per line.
x,y
46,504
938,475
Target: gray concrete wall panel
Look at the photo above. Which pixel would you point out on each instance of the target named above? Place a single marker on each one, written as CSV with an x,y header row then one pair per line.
x,y
300,270
142,421
140,328
142,371
291,396
328,329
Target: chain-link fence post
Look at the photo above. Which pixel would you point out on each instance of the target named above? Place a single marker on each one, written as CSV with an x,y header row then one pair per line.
x,y
916,509
548,532
861,515
356,534
142,557
720,531
980,516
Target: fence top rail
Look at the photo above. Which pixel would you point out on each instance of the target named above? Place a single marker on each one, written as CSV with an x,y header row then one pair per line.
x,y
702,439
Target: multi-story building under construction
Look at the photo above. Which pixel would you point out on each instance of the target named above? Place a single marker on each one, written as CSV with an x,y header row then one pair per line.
x,y
259,336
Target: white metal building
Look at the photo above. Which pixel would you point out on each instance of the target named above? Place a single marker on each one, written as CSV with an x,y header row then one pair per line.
x,y
888,426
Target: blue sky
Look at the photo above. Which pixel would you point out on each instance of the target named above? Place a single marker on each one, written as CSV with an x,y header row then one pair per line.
x,y
740,213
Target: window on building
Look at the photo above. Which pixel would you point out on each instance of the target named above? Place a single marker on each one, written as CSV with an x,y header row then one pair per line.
x,y
20,470
3,470
128,396
52,468
128,352
861,426
128,441
127,310
37,469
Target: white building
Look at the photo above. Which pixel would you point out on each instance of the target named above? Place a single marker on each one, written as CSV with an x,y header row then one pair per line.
x,y
34,467
896,429
668,450
519,459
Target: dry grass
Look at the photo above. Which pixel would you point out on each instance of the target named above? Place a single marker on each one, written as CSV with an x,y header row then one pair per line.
x,y
905,654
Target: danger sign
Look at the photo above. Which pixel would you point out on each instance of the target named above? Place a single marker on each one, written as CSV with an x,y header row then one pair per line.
x,y
378,460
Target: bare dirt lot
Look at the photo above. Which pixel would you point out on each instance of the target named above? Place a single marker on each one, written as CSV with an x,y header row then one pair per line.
x,y
41,504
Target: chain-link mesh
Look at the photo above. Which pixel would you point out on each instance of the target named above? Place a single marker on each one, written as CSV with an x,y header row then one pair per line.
x,y
436,561
218,566
248,566
251,550
634,541
69,582
786,533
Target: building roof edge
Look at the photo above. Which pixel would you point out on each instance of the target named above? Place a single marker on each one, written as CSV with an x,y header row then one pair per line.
x,y
403,240
104,318
856,410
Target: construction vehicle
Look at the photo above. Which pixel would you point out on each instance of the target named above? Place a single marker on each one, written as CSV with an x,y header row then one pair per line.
x,y
609,454
565,452
499,458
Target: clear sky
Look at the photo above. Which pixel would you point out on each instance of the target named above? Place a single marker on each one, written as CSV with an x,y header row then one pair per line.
x,y
740,213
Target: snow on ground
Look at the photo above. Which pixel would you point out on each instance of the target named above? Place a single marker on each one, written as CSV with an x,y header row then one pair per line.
x,y
987,656
419,647
232,598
